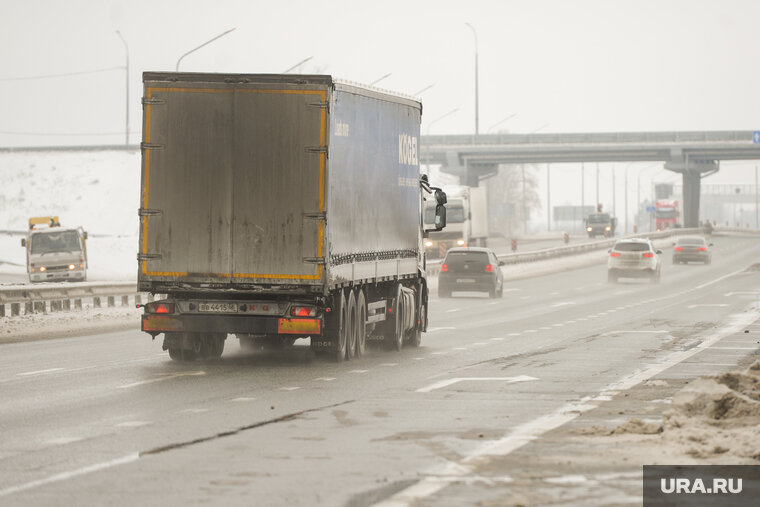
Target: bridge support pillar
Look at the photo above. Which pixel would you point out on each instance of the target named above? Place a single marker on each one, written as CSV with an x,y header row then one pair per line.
x,y
473,173
692,172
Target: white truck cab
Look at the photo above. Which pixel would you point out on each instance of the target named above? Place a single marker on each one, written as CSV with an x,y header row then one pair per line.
x,y
55,253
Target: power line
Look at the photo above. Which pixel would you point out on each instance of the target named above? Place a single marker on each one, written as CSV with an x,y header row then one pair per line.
x,y
67,74
67,134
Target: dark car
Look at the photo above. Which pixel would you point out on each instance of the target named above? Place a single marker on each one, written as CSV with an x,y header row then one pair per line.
x,y
471,270
692,248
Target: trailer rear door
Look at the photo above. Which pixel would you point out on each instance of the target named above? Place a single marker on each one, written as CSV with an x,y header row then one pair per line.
x,y
233,181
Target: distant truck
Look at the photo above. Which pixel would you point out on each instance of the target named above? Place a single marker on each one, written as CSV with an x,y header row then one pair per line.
x,y
666,214
279,207
600,224
466,220
55,253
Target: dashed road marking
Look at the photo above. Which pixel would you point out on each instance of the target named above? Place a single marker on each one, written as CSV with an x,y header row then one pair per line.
x,y
38,372
707,305
448,382
133,424
193,411
389,364
434,329
161,379
291,388
242,399
64,440
358,371
563,303
324,379
454,310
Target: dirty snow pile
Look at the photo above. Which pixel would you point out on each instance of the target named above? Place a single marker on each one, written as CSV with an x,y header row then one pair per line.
x,y
96,189
717,415
713,420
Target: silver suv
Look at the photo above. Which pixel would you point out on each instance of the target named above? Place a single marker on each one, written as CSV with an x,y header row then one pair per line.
x,y
634,258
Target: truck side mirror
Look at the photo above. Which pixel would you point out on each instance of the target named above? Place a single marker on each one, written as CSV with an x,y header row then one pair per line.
x,y
440,216
23,241
84,235
440,198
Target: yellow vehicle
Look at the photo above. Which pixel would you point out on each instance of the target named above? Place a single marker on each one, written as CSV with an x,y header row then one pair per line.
x,y
55,253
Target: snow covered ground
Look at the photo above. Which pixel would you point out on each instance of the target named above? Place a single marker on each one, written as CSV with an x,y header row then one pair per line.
x,y
98,190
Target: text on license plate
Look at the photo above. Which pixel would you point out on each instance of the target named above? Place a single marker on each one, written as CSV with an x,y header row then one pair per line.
x,y
218,307
465,280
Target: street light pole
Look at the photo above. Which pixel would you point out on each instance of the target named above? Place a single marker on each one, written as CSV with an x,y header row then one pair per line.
x,y
475,34
176,68
500,122
373,83
126,76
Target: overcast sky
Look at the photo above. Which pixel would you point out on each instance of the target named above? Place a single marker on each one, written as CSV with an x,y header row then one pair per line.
x,y
557,65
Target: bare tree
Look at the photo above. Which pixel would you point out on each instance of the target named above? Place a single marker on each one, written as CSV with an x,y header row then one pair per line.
x,y
512,197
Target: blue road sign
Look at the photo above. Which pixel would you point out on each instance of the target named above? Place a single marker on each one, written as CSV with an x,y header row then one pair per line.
x,y
756,137
650,208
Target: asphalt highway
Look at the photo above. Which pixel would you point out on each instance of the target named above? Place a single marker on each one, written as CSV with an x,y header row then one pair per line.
x,y
109,420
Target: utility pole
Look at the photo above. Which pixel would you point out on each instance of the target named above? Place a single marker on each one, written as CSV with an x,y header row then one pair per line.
x,y
549,196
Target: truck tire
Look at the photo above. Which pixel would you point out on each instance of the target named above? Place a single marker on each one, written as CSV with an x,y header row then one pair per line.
x,y
351,323
394,335
336,327
361,323
414,336
215,345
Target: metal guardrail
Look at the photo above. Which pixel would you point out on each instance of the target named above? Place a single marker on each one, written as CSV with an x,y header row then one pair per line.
x,y
433,266
63,297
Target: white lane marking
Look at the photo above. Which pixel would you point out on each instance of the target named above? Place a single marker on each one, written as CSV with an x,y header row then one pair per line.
x,y
292,388
324,379
732,348
497,339
64,440
558,325
358,371
563,303
193,411
530,331
531,430
581,318
389,364
569,322
625,331
38,372
524,297
161,379
494,303
448,382
454,310
480,343
434,329
419,358
133,424
744,293
459,348
694,363
440,353
73,473
242,399
544,328
553,293
719,279
514,334
706,305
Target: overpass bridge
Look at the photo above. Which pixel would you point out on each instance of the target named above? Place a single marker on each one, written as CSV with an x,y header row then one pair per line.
x,y
692,154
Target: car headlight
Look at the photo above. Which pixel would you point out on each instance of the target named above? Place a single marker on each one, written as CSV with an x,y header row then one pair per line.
x,y
428,243
72,267
42,268
607,228
589,229
460,242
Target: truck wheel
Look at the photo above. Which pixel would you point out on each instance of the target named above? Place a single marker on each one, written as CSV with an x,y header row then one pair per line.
x,y
361,323
351,325
175,354
414,338
215,345
394,336
336,329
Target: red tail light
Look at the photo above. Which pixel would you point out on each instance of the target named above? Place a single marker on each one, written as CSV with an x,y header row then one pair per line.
x,y
489,268
702,249
160,307
648,255
678,249
614,254
303,311
444,267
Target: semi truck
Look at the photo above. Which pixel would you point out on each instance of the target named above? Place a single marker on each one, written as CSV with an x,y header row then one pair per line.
x,y
281,207
467,220
600,224
666,214
55,253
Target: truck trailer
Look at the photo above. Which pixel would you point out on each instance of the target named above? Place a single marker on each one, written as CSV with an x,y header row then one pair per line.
x,y
279,207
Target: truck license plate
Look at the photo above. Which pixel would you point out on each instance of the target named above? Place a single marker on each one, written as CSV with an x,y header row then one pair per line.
x,y
465,280
218,307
